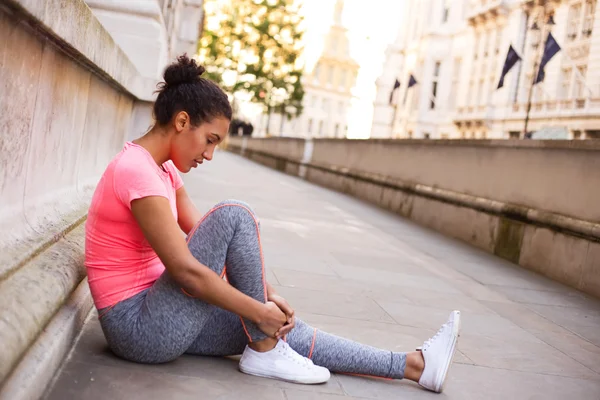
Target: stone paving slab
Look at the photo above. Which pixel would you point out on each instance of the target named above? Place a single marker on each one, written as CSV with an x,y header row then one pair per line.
x,y
360,272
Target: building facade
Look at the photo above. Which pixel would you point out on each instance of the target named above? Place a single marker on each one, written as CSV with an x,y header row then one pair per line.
x,y
151,32
455,51
328,84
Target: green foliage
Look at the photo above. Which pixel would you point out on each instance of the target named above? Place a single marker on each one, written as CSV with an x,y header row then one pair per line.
x,y
254,46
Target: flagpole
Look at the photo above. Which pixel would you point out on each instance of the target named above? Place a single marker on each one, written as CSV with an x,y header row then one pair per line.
x,y
533,78
534,73
394,118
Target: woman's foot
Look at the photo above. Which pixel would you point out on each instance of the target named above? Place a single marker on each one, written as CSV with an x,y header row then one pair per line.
x,y
283,363
438,353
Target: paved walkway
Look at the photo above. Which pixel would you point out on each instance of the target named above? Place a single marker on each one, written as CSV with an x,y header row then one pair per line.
x,y
357,271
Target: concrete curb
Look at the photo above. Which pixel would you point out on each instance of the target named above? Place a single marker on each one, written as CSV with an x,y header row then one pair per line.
x,y
39,365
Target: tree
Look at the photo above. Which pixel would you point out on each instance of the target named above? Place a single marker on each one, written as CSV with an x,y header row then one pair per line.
x,y
254,46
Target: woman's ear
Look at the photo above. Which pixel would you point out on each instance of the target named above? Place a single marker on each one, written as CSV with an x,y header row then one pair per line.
x,y
181,120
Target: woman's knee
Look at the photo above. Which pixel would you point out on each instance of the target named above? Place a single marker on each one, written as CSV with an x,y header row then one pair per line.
x,y
237,206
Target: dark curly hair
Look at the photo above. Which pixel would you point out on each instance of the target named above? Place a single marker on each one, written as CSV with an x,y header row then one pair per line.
x,y
183,89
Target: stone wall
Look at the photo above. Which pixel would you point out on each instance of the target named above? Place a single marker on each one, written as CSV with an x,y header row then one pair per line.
x,y
530,202
70,96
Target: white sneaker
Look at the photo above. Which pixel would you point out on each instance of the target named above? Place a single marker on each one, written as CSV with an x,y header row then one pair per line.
x,y
438,353
283,363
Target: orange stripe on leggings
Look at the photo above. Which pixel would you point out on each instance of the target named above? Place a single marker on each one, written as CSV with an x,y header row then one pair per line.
x,y
246,330
312,346
262,259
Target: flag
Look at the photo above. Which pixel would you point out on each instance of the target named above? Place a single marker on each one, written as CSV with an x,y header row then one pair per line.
x,y
511,59
396,86
550,50
411,81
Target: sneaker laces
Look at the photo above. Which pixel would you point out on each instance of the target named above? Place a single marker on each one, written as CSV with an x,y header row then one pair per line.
x,y
290,353
430,341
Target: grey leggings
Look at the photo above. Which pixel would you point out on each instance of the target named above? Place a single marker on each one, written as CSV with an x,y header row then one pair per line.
x,y
161,323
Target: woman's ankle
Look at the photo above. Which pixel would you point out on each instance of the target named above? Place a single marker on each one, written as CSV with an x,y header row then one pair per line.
x,y
415,363
264,345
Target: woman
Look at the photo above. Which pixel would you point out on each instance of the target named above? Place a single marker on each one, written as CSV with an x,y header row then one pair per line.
x,y
160,295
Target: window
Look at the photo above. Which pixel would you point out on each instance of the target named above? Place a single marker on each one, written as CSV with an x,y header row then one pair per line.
x,y
514,134
320,128
576,135
480,92
476,47
326,105
434,85
486,43
498,41
565,83
580,82
455,83
337,128
316,73
426,135
471,94
592,134
331,71
492,82
445,11
573,21
588,20
309,128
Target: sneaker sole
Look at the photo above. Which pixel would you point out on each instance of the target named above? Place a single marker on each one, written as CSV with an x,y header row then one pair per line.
x,y
455,335
307,381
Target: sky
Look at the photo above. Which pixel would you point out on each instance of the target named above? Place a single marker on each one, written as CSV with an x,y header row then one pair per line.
x,y
372,26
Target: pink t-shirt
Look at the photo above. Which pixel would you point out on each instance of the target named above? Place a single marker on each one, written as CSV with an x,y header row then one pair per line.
x,y
119,260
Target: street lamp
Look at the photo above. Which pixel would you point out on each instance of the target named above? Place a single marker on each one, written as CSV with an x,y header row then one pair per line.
x,y
538,33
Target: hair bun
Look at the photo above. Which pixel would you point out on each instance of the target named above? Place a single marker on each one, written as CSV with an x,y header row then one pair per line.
x,y
185,70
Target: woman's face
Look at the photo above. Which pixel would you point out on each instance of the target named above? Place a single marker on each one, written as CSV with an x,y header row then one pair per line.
x,y
192,145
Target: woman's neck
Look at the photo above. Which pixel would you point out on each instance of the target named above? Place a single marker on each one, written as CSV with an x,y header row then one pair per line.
x,y
158,143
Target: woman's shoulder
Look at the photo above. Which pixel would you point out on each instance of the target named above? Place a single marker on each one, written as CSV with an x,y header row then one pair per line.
x,y
176,179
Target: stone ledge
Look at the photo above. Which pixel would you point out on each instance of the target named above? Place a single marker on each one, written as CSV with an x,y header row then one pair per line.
x,y
32,295
17,253
46,355
87,42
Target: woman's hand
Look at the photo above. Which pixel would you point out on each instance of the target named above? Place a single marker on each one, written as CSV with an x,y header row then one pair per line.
x,y
272,319
289,313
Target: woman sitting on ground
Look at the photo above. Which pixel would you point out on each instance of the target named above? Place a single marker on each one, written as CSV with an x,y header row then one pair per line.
x,y
161,294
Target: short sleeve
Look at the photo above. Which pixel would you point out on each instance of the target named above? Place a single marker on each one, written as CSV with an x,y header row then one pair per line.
x,y
135,181
175,177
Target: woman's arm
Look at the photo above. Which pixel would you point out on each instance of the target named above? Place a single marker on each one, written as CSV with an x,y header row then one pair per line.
x,y
153,215
188,214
